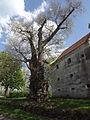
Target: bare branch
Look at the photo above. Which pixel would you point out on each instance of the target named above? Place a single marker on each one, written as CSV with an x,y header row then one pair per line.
x,y
40,33
24,31
29,38
27,65
17,50
58,28
63,28
33,50
20,60
40,39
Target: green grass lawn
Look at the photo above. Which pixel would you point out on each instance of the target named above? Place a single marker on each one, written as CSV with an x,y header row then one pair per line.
x,y
16,99
70,103
19,114
64,103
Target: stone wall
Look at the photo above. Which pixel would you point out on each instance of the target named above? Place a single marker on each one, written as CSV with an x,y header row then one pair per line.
x,y
70,75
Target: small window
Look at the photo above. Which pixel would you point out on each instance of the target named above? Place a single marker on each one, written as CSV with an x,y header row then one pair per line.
x,y
72,88
88,85
71,75
58,78
58,89
82,55
69,60
57,66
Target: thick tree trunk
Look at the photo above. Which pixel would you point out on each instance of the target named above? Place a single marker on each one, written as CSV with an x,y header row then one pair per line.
x,y
38,86
6,90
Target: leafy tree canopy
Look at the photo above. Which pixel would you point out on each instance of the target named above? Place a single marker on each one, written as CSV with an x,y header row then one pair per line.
x,y
10,72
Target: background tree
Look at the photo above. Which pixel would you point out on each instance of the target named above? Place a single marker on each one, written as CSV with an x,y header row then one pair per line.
x,y
10,72
32,41
26,75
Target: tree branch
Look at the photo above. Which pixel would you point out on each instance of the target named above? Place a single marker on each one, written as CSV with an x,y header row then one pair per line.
x,y
40,39
40,32
24,31
25,59
58,28
63,28
33,50
30,39
27,65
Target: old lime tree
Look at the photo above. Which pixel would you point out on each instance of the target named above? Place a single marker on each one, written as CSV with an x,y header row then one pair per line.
x,y
32,41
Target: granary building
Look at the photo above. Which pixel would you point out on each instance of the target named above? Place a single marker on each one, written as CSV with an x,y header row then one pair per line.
x,y
70,72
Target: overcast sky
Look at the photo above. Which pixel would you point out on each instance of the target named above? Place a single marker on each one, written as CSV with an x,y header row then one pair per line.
x,y
30,8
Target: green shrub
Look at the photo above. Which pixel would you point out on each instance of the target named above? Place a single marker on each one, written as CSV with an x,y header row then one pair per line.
x,y
50,93
17,94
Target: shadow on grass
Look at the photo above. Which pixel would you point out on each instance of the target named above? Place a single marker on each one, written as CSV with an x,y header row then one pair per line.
x,y
70,103
19,114
55,107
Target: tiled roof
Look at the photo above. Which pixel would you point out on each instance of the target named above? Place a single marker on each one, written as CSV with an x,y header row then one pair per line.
x,y
74,46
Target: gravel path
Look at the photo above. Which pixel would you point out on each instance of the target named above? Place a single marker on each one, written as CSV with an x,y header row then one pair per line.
x,y
4,118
